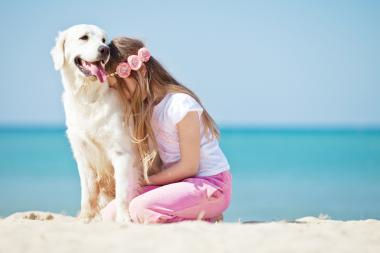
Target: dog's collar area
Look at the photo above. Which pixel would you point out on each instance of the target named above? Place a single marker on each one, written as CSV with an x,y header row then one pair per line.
x,y
93,78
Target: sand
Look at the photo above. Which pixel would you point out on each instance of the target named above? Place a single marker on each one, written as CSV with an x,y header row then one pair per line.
x,y
48,232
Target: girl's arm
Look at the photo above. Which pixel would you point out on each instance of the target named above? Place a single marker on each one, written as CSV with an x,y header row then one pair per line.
x,y
189,143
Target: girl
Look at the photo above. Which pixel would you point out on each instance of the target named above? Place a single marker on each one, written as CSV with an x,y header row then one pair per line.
x,y
193,180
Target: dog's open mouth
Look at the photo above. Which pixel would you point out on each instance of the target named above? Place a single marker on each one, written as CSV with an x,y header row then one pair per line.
x,y
95,68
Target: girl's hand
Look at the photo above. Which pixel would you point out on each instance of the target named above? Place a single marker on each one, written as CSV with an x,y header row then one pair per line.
x,y
143,182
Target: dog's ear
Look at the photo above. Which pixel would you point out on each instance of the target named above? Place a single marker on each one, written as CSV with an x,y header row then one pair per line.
x,y
57,53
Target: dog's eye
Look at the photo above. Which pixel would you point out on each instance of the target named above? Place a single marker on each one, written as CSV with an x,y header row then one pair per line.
x,y
84,37
104,40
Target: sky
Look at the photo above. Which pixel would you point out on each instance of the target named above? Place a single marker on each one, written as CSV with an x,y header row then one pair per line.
x,y
252,63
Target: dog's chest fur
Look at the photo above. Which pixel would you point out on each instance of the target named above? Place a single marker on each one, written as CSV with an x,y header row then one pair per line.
x,y
95,125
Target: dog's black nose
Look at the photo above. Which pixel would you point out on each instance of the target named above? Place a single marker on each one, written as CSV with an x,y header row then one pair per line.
x,y
104,50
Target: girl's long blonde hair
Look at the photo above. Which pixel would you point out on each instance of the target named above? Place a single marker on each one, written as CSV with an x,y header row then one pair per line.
x,y
150,89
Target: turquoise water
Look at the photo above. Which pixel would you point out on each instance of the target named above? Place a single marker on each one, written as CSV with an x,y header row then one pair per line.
x,y
277,174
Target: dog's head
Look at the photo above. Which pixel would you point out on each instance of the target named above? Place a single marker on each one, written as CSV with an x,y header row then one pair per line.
x,y
83,50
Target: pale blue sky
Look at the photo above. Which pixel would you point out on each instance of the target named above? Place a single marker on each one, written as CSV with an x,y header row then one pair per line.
x,y
256,63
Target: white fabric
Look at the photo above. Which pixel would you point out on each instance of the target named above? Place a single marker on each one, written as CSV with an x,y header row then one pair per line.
x,y
166,114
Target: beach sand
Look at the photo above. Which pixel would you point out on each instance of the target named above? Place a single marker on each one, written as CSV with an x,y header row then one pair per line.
x,y
49,232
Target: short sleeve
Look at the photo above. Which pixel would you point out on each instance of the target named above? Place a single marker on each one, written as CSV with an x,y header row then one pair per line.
x,y
179,105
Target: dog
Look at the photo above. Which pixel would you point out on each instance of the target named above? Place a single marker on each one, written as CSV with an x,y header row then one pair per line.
x,y
96,127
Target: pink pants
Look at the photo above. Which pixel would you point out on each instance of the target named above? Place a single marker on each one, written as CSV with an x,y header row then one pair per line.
x,y
192,198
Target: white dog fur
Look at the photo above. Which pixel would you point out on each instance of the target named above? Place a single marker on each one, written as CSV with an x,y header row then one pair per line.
x,y
95,125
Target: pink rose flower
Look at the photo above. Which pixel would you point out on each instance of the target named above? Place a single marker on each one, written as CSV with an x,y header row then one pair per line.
x,y
135,62
123,70
143,54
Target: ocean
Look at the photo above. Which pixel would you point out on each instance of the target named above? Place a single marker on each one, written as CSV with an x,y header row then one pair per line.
x,y
278,174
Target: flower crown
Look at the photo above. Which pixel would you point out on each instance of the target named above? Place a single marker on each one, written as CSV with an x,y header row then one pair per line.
x,y
133,62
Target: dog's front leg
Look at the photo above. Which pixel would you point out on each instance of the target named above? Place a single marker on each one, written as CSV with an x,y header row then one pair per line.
x,y
89,189
122,164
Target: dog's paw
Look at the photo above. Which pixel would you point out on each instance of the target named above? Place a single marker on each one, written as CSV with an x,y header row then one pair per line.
x,y
86,215
123,217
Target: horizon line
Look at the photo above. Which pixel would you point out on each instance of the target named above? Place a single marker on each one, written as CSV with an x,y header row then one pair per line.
x,y
222,127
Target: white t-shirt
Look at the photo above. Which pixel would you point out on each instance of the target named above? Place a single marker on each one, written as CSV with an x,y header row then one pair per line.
x,y
166,114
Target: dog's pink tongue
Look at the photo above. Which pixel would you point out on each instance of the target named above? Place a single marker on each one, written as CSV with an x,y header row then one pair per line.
x,y
98,71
